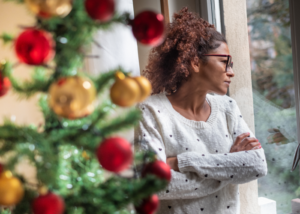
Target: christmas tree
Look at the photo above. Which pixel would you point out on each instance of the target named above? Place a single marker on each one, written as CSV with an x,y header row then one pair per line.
x,y
77,143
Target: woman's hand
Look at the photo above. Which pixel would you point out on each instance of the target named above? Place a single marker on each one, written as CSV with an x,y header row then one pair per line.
x,y
276,137
173,163
245,143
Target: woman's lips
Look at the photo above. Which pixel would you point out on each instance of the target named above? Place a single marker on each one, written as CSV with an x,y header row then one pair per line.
x,y
228,82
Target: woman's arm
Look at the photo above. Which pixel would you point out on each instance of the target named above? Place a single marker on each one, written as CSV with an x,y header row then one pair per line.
x,y
238,167
183,185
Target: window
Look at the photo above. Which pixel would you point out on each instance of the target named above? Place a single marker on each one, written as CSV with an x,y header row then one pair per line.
x,y
274,100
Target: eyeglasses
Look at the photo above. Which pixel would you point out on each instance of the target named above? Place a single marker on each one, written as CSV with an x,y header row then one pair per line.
x,y
229,63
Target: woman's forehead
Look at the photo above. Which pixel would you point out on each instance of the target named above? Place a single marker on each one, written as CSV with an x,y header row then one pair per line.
x,y
222,49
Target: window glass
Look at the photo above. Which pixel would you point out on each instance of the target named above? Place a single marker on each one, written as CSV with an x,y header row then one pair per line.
x,y
273,98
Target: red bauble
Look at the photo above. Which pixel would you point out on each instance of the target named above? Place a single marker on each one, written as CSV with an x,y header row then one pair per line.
x,y
48,204
149,205
115,154
4,85
101,10
158,168
148,28
34,47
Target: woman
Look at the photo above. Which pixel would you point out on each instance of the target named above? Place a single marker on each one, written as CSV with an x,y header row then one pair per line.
x,y
203,137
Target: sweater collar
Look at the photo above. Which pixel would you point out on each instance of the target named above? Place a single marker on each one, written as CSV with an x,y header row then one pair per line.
x,y
197,124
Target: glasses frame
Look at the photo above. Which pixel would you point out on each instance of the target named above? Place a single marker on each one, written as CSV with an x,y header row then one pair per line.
x,y
229,59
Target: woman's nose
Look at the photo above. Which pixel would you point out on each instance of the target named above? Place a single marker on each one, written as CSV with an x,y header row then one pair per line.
x,y
230,72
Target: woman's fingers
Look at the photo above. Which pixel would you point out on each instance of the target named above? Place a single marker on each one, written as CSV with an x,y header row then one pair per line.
x,y
250,146
256,147
278,137
173,163
244,142
241,137
248,140
273,130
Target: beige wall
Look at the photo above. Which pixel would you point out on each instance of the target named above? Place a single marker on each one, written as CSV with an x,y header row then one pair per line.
x,y
154,5
25,111
177,5
139,6
235,17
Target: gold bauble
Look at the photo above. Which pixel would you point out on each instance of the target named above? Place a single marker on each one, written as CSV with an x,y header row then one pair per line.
x,y
50,8
145,87
11,189
125,91
72,97
85,155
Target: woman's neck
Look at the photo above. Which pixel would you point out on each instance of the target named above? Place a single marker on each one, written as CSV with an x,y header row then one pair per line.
x,y
192,101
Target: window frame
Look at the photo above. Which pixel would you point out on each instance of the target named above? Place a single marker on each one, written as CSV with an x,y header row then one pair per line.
x,y
212,10
295,33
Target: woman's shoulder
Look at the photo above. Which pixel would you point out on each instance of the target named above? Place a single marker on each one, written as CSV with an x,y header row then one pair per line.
x,y
152,102
225,103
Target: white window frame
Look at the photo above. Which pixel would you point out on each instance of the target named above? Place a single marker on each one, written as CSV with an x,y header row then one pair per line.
x,y
295,32
210,10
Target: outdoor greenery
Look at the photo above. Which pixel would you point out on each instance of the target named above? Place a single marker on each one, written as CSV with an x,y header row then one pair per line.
x,y
274,102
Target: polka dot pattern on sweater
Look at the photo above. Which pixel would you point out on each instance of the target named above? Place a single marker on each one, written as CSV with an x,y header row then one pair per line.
x,y
217,168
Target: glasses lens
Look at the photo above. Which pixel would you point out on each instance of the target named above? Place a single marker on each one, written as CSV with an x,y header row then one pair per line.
x,y
229,63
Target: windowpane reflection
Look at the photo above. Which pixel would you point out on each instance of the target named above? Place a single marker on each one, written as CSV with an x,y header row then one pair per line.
x,y
274,98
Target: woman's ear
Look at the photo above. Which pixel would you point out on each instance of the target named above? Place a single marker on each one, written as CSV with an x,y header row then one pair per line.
x,y
195,66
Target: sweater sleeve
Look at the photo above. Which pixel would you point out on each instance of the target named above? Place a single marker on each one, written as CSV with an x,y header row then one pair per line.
x,y
182,185
237,168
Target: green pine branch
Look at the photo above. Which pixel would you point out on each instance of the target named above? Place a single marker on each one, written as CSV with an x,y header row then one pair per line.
x,y
114,194
120,123
6,38
62,150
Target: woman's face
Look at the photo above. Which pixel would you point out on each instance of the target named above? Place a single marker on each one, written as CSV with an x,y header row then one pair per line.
x,y
211,76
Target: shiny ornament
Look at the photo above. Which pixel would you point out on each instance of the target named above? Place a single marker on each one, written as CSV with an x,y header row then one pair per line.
x,y
114,154
148,28
34,47
72,97
148,206
48,204
49,8
11,189
85,155
4,85
158,168
145,87
4,82
100,10
125,91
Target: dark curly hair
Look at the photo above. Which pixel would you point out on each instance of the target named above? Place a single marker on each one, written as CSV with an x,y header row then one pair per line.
x,y
188,38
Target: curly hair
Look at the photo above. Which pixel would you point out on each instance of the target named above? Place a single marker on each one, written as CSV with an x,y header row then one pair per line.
x,y
188,38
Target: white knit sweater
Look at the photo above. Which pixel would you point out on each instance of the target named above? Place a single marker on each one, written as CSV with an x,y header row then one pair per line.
x,y
209,175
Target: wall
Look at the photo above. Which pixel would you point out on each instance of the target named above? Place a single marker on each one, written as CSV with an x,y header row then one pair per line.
x,y
177,5
139,6
235,18
154,5
25,112
21,111
118,46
